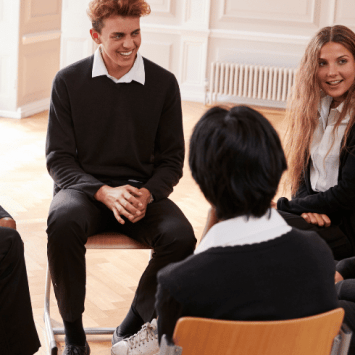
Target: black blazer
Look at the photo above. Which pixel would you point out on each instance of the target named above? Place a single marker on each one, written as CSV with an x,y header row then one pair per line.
x,y
338,202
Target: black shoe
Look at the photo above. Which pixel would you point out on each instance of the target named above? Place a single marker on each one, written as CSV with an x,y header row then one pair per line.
x,y
77,350
117,336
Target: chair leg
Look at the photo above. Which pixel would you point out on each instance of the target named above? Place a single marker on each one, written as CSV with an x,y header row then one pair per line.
x,y
50,331
53,350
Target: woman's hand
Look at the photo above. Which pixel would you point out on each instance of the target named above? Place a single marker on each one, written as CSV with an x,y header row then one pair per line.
x,y
322,220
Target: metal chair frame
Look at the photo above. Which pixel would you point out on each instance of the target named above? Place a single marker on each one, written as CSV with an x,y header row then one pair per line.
x,y
107,240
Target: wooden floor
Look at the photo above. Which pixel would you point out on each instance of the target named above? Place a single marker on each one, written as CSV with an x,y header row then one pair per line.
x,y
26,192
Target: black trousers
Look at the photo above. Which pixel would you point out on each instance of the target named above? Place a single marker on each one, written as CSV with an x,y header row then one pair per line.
x,y
18,335
337,240
73,217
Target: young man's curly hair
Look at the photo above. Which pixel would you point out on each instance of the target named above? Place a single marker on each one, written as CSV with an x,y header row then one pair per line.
x,y
100,10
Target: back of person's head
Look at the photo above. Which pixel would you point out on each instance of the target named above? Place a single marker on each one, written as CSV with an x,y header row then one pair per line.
x,y
237,160
99,10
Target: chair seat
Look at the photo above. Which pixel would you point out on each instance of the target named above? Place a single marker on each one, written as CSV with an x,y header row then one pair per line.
x,y
113,240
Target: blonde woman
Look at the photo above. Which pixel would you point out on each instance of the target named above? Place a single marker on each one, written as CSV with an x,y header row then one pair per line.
x,y
320,141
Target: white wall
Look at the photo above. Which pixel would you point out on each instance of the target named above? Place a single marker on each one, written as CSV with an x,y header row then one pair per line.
x,y
186,36
76,42
176,36
9,38
29,56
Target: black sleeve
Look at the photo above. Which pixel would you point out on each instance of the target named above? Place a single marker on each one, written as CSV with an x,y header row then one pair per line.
x,y
346,268
3,213
168,312
346,290
302,190
62,163
169,146
341,197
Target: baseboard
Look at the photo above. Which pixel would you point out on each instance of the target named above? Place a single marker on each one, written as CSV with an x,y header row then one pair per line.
x,y
27,110
247,101
190,95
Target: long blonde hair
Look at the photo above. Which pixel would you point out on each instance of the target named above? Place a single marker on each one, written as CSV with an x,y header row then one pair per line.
x,y
302,109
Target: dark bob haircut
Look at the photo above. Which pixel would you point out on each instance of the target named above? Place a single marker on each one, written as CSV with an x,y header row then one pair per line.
x,y
99,10
237,160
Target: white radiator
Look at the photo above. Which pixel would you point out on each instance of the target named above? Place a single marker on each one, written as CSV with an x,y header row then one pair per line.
x,y
250,81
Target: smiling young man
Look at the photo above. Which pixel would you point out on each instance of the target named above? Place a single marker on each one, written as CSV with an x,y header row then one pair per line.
x,y
115,149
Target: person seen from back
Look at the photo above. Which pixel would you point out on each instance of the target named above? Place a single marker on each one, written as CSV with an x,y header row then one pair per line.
x,y
250,265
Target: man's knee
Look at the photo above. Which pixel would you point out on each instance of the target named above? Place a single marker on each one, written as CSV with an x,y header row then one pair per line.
x,y
66,221
9,237
62,225
180,235
11,245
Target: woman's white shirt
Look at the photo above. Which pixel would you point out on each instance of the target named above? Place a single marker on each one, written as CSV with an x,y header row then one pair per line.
x,y
324,167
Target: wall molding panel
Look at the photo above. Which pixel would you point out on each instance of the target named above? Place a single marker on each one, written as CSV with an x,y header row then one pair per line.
x,y
278,12
193,56
259,36
163,7
37,86
40,9
159,51
74,49
76,42
40,15
30,37
197,13
40,37
343,12
193,78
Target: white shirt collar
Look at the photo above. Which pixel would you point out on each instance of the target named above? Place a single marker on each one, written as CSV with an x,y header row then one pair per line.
x,y
240,231
324,111
136,73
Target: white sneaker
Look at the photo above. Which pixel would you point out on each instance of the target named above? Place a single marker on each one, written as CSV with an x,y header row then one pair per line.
x,y
144,342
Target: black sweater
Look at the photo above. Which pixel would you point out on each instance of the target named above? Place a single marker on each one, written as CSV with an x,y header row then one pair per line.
x,y
101,133
291,276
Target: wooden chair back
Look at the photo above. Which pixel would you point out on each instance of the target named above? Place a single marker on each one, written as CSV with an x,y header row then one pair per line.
x,y
304,336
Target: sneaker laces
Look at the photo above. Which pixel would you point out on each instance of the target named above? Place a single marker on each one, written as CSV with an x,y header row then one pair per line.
x,y
147,333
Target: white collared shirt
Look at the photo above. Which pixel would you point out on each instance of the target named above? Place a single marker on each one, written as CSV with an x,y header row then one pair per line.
x,y
136,73
324,168
240,231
